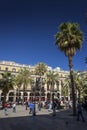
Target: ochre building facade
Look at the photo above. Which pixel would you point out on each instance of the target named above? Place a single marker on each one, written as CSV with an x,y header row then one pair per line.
x,y
14,69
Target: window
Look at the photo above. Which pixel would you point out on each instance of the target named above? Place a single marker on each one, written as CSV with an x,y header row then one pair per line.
x,y
6,69
13,70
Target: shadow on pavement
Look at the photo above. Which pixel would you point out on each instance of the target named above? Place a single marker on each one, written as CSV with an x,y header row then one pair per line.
x,y
62,121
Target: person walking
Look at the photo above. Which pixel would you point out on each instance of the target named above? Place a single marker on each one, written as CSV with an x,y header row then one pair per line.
x,y
50,106
26,104
79,112
54,107
14,107
39,105
31,105
6,108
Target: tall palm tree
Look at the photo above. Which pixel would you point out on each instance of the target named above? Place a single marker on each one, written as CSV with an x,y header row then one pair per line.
x,y
40,70
6,84
25,78
69,39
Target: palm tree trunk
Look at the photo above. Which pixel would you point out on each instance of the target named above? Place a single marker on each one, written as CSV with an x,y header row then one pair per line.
x,y
18,95
23,94
72,85
4,100
79,95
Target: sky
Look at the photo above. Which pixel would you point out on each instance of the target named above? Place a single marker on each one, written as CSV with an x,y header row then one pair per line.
x,y
28,28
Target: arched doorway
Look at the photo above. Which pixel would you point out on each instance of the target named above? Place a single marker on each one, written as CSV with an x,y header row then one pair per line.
x,y
11,97
48,96
25,96
31,97
43,96
18,96
37,96
42,93
2,96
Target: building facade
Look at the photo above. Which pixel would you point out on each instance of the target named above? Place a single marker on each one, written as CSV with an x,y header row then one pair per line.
x,y
14,69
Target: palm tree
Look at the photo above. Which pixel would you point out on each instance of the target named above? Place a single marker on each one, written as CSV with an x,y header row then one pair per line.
x,y
65,89
51,79
6,84
24,79
18,83
78,84
84,82
40,70
69,40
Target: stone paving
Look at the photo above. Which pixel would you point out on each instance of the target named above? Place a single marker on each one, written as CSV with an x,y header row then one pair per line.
x,y
22,120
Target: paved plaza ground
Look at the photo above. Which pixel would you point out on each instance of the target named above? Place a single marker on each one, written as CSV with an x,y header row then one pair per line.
x,y
22,120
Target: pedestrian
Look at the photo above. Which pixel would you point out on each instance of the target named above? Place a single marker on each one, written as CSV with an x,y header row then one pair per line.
x,y
50,106
14,107
79,112
31,105
54,108
6,108
39,105
26,104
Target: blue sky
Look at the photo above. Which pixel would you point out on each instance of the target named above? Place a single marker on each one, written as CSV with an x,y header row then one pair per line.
x,y
27,29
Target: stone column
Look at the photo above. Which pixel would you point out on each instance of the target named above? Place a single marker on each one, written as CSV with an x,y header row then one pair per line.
x,y
45,87
22,95
14,95
7,97
28,95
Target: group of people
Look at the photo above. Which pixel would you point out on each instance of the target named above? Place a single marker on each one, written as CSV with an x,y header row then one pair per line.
x,y
6,106
31,106
52,107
